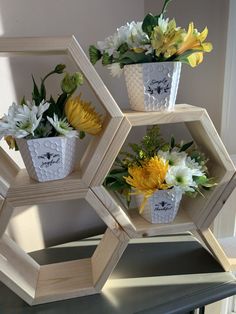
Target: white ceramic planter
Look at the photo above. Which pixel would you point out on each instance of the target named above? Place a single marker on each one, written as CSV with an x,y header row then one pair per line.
x,y
49,158
162,207
152,86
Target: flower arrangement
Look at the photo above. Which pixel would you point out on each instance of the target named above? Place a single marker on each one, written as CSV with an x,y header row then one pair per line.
x,y
155,39
155,164
42,117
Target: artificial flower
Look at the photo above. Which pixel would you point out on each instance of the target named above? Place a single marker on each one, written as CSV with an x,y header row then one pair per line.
x,y
70,82
194,166
181,176
115,69
82,116
174,158
192,41
11,142
22,120
166,38
62,126
148,177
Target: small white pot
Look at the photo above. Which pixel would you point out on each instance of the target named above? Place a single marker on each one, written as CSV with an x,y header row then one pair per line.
x,y
152,86
50,158
162,206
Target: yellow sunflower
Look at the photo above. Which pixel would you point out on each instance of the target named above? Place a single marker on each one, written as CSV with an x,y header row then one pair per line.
x,y
82,116
148,177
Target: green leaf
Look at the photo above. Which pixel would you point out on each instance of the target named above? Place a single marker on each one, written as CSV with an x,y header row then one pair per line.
x,y
43,90
186,146
163,11
106,59
81,134
22,102
36,94
94,54
123,48
51,109
60,104
172,142
135,57
149,23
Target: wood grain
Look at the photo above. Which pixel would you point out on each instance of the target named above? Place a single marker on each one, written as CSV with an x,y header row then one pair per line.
x,y
213,245
107,256
94,79
96,151
8,171
6,211
64,280
26,191
181,113
112,150
18,271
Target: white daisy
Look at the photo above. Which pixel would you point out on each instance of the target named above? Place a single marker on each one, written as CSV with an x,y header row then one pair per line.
x,y
115,69
163,23
175,158
180,176
194,166
62,126
22,120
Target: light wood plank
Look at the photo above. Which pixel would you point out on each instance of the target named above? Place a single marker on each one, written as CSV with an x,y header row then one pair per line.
x,y
102,212
112,152
213,245
18,271
64,280
116,209
8,171
6,211
34,45
181,113
107,256
220,166
97,149
134,224
1,201
94,79
229,247
26,191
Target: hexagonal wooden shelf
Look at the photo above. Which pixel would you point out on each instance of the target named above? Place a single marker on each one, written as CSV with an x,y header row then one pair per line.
x,y
69,46
39,284
194,215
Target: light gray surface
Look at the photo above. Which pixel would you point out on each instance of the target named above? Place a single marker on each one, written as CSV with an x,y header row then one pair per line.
x,y
172,276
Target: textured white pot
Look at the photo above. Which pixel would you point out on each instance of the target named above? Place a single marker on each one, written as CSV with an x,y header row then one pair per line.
x,y
152,86
49,158
162,207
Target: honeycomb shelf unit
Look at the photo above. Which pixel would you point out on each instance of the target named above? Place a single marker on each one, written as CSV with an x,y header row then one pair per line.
x,y
39,284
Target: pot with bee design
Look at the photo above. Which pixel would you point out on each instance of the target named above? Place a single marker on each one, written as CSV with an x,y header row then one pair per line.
x,y
162,206
152,86
50,158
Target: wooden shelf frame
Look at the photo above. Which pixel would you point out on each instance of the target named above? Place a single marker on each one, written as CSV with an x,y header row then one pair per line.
x,y
95,151
196,214
40,284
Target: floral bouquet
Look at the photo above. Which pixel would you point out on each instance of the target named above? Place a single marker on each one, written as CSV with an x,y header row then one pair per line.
x,y
45,129
151,53
155,166
155,39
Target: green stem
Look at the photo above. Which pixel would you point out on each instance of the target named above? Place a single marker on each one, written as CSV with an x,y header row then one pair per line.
x,y
165,6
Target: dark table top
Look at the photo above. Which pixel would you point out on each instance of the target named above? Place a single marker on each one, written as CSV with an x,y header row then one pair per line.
x,y
161,275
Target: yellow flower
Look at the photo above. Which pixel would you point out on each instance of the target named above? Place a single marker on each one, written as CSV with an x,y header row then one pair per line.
x,y
148,177
195,58
82,116
166,42
194,40
10,141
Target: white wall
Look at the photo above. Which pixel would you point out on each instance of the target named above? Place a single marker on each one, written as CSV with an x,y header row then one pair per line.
x,y
202,86
89,21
